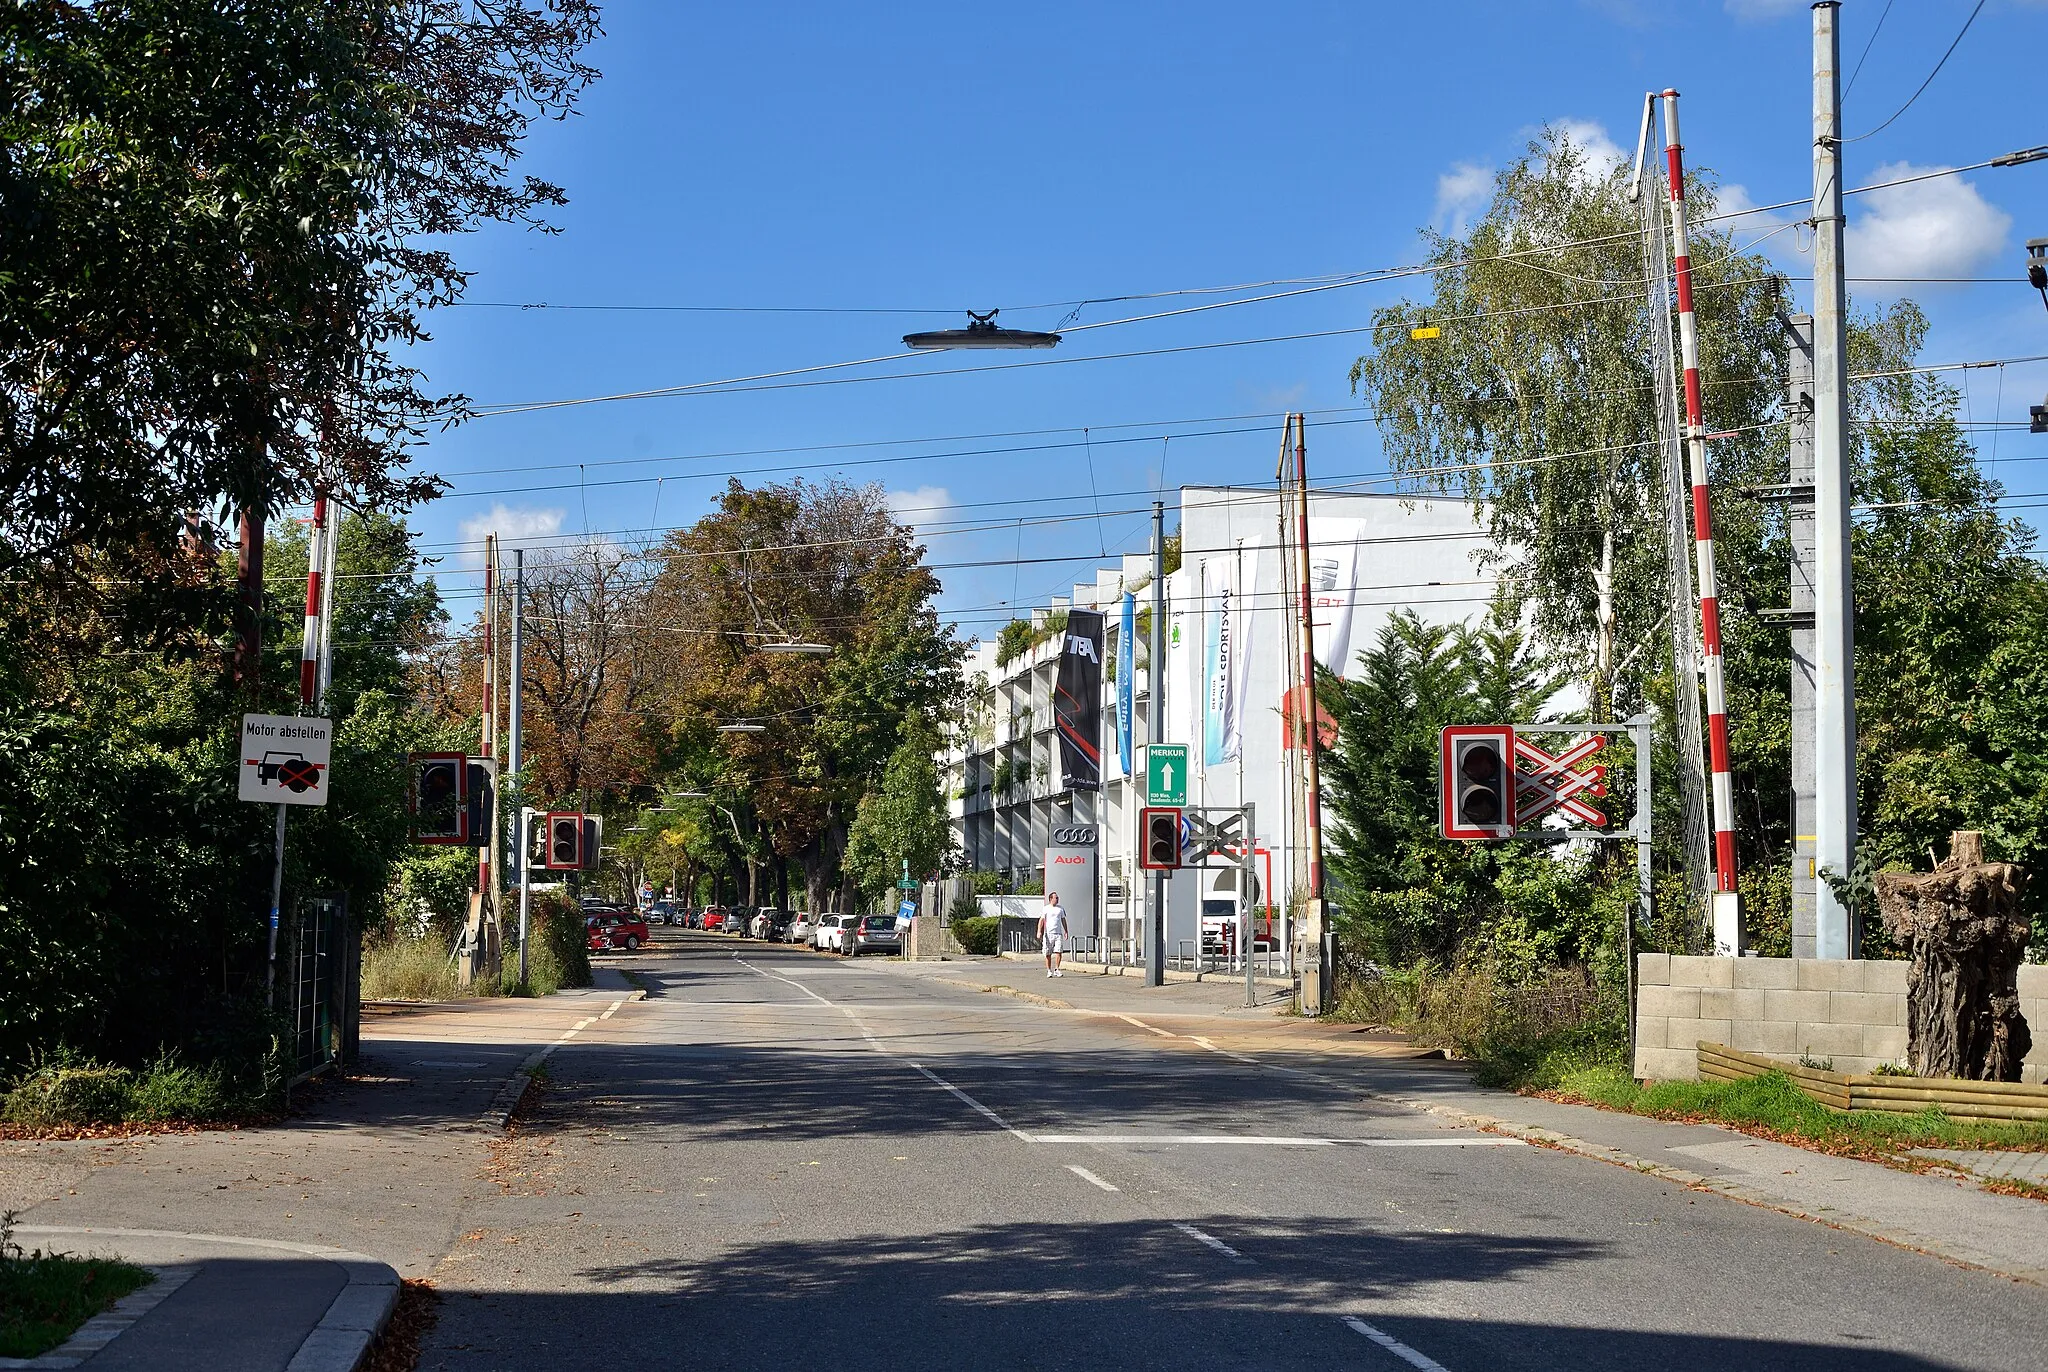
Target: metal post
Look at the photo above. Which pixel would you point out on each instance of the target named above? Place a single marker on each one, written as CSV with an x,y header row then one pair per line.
x,y
276,899
1834,639
1799,530
1155,732
336,512
1640,730
1246,866
309,651
515,753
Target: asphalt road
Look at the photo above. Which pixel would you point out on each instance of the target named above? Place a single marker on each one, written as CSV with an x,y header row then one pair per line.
x,y
779,1160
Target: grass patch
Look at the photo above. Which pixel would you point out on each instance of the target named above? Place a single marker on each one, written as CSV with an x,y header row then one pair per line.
x,y
44,1297
63,1091
409,967
1772,1106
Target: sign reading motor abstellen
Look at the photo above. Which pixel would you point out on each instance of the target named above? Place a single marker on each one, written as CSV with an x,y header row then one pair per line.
x,y
284,759
1070,870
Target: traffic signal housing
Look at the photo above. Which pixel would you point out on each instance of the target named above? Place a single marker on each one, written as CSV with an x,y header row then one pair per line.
x,y
439,796
564,850
1477,781
479,798
1159,839
593,841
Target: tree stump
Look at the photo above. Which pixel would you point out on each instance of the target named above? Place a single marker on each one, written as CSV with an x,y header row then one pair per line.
x,y
1963,927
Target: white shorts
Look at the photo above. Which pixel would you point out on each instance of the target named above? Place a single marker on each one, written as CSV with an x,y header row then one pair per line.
x,y
1055,943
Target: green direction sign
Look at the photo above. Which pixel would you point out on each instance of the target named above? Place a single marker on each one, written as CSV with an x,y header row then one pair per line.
x,y
1166,774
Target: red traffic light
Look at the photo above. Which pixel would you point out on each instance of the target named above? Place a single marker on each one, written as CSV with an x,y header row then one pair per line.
x,y
1476,781
1159,839
439,796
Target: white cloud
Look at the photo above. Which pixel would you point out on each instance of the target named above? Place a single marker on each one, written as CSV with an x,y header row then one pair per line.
x,y
1590,137
1461,192
1941,227
919,506
512,526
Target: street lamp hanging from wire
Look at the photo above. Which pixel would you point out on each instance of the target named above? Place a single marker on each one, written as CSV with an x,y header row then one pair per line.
x,y
982,331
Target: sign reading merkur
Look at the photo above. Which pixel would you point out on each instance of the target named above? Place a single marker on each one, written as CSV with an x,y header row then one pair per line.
x,y
284,759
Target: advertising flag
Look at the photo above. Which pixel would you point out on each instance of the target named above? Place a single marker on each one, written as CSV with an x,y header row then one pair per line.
x,y
1126,683
1077,702
1223,650
1333,586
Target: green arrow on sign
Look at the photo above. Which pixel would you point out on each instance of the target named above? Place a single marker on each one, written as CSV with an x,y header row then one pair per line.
x,y
1166,774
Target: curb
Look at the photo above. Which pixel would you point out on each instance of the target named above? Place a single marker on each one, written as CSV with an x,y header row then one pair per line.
x,y
1734,1190
102,1329
497,1116
354,1319
1173,974
1032,996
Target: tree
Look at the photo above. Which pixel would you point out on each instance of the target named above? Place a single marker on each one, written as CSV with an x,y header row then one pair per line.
x,y
904,819
1403,892
1536,396
823,563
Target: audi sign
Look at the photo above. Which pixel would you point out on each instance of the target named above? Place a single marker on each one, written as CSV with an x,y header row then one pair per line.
x,y
1075,836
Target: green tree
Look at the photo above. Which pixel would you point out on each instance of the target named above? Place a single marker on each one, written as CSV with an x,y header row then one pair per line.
x,y
904,819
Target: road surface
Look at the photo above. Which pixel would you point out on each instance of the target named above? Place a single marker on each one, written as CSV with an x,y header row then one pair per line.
x,y
785,1161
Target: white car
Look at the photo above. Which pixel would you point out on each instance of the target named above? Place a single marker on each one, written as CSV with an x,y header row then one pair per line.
x,y
800,928
830,932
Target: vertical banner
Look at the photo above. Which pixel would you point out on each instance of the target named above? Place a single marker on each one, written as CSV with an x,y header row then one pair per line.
x,y
1077,702
1333,586
1223,650
1126,679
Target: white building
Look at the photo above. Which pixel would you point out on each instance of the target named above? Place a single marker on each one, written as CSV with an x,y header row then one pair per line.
x,y
1371,556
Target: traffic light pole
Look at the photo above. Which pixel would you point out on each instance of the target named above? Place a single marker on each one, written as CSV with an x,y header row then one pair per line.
x,y
1155,732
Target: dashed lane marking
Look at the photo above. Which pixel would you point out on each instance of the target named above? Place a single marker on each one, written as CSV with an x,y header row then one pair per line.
x,y
1212,1241
1395,1346
1085,1175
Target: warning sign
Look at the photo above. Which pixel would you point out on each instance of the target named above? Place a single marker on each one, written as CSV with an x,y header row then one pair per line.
x,y
284,759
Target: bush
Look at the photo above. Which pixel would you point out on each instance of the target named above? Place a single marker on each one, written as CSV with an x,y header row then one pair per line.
x,y
561,944
978,935
67,1091
172,1090
408,968
71,1094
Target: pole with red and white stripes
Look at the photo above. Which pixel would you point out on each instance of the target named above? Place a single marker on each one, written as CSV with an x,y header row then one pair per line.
x,y
1726,922
316,566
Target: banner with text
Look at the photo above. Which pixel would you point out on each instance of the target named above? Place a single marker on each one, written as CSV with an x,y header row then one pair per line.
x,y
1077,702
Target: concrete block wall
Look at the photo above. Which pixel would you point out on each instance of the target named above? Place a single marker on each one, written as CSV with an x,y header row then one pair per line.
x,y
1852,1012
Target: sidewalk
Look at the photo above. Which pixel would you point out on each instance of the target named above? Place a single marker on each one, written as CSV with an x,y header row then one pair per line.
x,y
1948,1217
280,1249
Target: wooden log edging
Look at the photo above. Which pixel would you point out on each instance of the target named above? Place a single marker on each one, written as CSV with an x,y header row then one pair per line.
x,y
1990,1100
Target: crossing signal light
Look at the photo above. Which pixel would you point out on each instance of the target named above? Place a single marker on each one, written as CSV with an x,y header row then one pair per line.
x,y
536,832
564,841
1477,783
439,795
1159,835
479,799
2037,419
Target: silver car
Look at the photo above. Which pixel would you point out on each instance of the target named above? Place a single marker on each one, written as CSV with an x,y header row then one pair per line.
x,y
870,934
801,927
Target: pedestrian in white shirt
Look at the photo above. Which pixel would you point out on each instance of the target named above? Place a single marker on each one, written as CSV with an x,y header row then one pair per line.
x,y
1052,933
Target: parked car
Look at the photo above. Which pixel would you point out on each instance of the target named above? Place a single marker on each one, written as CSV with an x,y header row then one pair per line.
x,y
770,925
715,919
615,929
801,926
664,912
826,933
870,934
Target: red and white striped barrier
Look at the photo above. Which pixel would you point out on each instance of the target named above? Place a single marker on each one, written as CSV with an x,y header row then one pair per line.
x,y
309,650
1702,519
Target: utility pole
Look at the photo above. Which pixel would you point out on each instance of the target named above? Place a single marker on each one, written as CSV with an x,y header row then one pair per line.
x,y
1834,638
1315,964
1799,529
1155,732
515,753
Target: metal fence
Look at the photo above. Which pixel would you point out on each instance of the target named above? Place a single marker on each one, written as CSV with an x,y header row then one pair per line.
x,y
326,1003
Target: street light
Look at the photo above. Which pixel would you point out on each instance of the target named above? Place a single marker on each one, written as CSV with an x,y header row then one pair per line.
x,y
742,728
981,332
813,649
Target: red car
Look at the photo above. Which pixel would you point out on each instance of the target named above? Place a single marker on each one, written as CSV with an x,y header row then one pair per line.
x,y
616,931
716,917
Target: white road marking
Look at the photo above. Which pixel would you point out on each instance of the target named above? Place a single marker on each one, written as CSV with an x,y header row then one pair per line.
x,y
1212,1241
1163,1033
1281,1140
1224,1051
1395,1346
980,1109
1085,1175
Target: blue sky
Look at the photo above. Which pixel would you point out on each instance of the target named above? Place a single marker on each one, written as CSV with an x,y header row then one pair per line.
x,y
944,157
